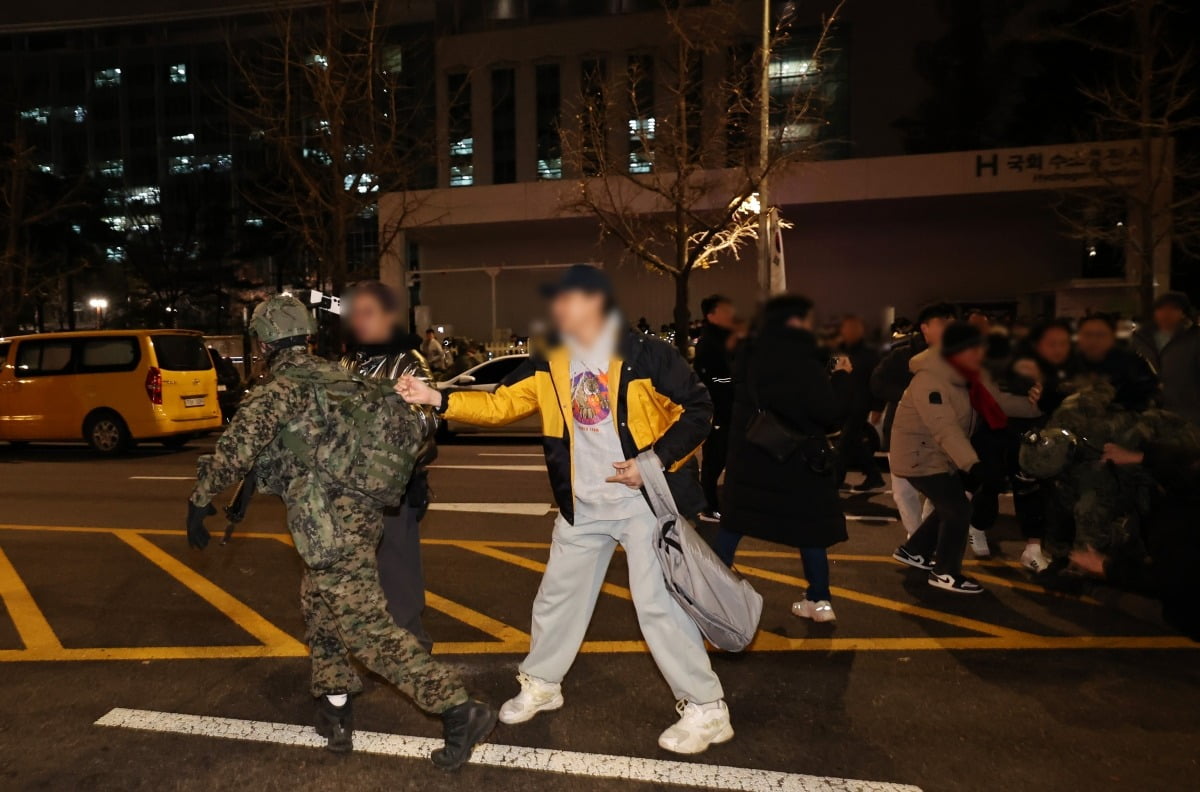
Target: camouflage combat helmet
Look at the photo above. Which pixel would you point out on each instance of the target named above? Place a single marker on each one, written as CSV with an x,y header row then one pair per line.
x,y
281,316
1047,452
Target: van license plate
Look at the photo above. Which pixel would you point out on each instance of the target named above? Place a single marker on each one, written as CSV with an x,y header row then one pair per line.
x,y
195,401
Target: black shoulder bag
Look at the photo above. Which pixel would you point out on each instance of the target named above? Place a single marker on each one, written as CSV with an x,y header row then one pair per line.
x,y
780,441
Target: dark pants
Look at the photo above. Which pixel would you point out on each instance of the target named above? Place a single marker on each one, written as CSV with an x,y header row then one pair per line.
x,y
716,448
945,529
814,559
855,449
998,459
400,573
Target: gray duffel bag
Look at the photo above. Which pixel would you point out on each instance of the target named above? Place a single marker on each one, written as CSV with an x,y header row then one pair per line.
x,y
723,604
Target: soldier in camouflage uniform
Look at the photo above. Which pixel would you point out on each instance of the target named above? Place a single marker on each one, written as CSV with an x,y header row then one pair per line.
x,y
1095,503
336,532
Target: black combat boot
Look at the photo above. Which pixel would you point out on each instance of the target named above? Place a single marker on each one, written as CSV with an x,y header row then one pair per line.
x,y
336,724
463,727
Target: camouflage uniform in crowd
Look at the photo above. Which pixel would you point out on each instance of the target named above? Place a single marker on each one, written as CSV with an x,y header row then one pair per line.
x,y
336,533
1095,503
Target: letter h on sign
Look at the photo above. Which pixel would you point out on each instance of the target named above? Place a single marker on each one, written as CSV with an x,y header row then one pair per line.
x,y
981,165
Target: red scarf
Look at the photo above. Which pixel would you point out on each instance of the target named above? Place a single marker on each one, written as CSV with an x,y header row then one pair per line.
x,y
982,399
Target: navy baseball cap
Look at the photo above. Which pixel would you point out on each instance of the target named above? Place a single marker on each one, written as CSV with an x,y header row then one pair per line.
x,y
580,277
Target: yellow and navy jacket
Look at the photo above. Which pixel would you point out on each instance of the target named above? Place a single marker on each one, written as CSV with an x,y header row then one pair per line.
x,y
660,404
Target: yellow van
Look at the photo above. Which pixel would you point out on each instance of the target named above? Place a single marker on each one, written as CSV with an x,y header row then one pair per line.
x,y
111,388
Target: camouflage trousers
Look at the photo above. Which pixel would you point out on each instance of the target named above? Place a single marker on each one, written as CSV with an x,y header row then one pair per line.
x,y
346,616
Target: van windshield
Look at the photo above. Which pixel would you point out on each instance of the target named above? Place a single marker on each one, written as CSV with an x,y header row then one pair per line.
x,y
181,353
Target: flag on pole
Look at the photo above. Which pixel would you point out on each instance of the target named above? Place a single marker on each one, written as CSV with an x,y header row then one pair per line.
x,y
778,269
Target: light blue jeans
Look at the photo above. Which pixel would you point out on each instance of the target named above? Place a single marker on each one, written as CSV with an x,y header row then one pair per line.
x,y
562,610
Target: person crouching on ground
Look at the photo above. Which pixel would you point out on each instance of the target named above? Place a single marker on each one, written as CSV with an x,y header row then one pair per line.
x,y
931,448
605,395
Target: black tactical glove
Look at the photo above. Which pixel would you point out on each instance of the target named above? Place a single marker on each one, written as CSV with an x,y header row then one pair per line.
x,y
235,512
197,534
972,479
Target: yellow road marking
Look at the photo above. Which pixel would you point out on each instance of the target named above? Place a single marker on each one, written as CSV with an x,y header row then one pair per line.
x,y
26,616
234,609
900,607
480,621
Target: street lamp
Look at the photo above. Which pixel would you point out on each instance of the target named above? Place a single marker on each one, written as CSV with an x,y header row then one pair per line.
x,y
100,305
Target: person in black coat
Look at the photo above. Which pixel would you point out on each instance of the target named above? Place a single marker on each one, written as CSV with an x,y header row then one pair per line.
x,y
1128,372
782,371
855,448
713,365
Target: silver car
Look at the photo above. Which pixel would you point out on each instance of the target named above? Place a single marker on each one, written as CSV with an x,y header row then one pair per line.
x,y
486,377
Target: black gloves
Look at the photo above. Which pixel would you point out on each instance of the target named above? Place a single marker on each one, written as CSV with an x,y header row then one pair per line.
x,y
235,512
972,479
197,534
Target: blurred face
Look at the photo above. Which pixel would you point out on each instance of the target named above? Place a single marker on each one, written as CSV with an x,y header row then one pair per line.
x,y
981,321
722,315
852,331
1054,346
578,314
969,359
369,322
1096,339
1168,318
932,330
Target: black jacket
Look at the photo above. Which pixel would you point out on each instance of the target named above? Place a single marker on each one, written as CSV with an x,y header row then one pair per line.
x,y
863,360
713,366
784,372
891,376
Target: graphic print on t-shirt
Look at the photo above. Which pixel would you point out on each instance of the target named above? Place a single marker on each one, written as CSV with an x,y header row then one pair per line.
x,y
589,398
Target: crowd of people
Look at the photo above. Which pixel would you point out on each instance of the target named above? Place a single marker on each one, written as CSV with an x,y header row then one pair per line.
x,y
1098,442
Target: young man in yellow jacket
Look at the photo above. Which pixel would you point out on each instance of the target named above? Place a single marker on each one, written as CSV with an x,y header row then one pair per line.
x,y
605,395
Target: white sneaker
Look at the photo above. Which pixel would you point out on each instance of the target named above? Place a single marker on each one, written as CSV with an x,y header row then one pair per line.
x,y
820,611
536,696
979,544
1033,559
699,726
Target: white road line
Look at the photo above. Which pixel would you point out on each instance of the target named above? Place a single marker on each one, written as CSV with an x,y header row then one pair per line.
x,y
541,468
162,478
626,768
533,509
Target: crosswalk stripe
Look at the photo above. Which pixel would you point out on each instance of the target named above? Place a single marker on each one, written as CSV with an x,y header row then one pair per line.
x,y
546,760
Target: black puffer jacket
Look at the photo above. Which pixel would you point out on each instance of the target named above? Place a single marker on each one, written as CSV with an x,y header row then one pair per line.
x,y
783,371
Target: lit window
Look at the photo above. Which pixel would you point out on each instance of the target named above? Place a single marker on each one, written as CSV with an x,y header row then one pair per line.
x,y
317,59
38,115
116,222
797,132
393,59
113,168
254,222
115,254
107,78
147,195
45,168
366,182
791,71
550,168
462,148
320,155
462,175
178,165
186,137
177,73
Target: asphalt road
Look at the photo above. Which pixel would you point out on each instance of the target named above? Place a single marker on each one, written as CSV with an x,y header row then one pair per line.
x,y
105,607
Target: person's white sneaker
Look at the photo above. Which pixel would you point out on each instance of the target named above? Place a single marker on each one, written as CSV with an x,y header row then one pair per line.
x,y
820,611
979,544
1033,559
699,726
536,696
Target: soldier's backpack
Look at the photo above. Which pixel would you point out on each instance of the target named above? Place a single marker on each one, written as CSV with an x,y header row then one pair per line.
x,y
369,439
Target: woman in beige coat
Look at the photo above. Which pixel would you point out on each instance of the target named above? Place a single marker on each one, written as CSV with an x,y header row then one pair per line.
x,y
949,396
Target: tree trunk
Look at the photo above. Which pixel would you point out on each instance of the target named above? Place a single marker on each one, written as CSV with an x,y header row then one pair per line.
x,y
683,338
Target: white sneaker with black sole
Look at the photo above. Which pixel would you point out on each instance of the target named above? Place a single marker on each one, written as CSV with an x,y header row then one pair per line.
x,y
699,726
537,695
914,560
959,584
979,543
